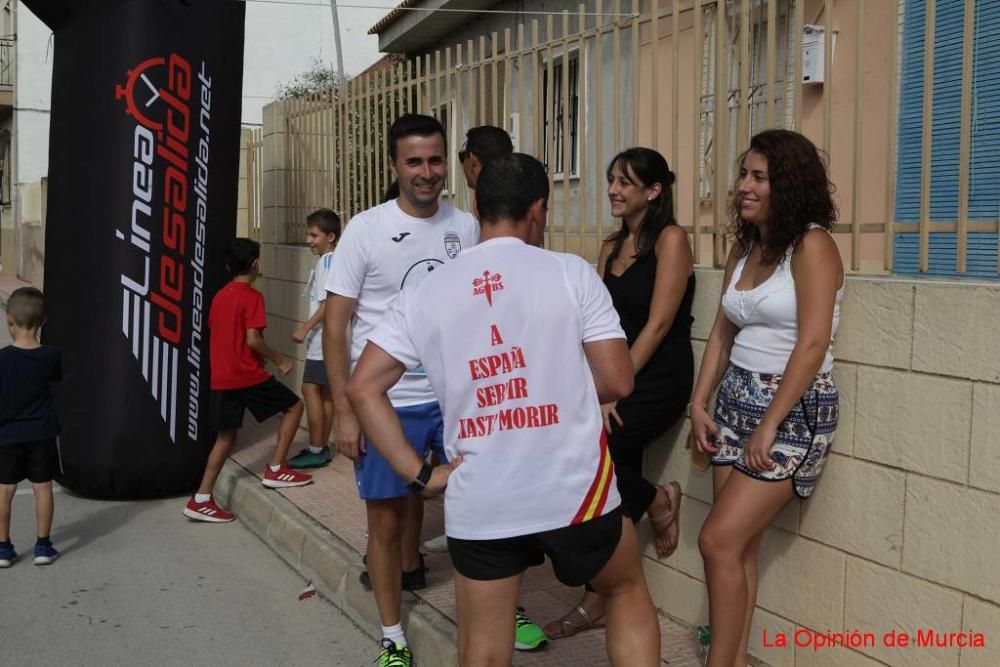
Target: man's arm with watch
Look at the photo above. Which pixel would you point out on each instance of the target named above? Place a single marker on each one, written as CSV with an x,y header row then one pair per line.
x,y
367,389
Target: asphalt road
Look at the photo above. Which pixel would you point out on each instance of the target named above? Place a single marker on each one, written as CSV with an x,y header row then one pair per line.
x,y
138,584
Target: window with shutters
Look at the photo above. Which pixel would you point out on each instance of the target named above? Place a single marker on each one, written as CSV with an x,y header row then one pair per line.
x,y
565,75
984,167
493,111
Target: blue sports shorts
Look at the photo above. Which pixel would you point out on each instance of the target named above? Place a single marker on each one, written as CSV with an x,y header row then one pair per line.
x,y
424,428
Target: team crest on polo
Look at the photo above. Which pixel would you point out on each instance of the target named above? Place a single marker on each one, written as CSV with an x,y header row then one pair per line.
x,y
452,244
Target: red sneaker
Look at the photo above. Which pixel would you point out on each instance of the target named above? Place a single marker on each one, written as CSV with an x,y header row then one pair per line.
x,y
207,511
284,477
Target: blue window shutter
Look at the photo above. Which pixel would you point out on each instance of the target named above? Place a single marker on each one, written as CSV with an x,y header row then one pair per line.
x,y
984,200
984,174
980,256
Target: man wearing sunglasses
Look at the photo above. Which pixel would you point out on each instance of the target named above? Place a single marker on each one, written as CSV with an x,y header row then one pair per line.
x,y
482,144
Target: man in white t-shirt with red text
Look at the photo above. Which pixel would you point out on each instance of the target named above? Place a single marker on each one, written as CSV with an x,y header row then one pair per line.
x,y
521,346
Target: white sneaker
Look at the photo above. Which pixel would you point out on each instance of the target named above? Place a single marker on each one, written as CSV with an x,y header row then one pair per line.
x,y
438,544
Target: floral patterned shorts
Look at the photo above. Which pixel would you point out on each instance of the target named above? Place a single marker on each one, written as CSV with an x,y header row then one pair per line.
x,y
804,439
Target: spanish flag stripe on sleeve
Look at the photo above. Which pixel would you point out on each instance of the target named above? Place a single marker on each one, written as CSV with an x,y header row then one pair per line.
x,y
597,495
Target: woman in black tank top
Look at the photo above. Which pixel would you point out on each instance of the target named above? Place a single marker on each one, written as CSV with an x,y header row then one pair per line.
x,y
648,268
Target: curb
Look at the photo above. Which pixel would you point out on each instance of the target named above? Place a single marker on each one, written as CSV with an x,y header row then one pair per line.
x,y
331,564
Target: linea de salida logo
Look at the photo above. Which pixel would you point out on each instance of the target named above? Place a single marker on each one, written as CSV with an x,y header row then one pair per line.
x,y
162,278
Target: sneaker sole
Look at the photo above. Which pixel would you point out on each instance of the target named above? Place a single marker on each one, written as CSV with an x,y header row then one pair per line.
x,y
365,580
307,466
277,484
45,560
6,563
529,647
195,516
429,545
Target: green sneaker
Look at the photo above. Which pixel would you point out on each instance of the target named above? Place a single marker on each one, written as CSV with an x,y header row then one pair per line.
x,y
394,655
527,635
306,459
704,639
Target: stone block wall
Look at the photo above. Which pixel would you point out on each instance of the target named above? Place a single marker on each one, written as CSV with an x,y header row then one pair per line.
x,y
901,532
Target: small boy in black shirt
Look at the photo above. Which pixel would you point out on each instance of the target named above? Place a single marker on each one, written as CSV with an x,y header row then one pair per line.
x,y
28,421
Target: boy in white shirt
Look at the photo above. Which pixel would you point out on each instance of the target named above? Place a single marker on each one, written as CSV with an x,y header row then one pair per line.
x,y
322,232
521,346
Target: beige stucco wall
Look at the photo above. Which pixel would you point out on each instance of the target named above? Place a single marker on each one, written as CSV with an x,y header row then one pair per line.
x,y
286,270
8,241
865,173
29,236
242,205
285,267
22,244
274,202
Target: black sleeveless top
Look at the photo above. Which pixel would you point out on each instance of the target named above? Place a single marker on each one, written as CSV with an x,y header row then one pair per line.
x,y
664,384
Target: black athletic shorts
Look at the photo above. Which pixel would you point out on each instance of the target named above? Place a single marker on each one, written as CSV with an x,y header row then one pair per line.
x,y
263,400
578,553
36,461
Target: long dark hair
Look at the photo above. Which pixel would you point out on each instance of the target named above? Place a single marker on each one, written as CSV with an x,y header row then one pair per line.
x,y
801,194
650,168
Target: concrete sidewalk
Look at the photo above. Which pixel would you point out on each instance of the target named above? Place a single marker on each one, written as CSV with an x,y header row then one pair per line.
x,y
319,530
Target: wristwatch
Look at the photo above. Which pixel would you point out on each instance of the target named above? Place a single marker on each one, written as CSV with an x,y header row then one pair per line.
x,y
419,482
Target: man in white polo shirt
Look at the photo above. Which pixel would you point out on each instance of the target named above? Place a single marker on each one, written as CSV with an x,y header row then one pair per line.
x,y
521,346
384,249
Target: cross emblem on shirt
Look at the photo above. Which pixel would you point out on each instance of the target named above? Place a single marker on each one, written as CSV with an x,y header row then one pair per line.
x,y
488,284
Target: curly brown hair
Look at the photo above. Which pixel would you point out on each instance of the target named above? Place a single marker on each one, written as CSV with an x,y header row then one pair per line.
x,y
801,194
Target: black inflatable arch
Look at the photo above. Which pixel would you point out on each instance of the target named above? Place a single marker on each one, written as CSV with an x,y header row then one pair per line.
x,y
142,191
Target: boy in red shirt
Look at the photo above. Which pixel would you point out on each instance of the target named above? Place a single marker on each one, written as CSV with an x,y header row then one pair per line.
x,y
236,322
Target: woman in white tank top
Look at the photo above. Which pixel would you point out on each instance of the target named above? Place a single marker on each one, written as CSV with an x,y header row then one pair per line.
x,y
770,356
